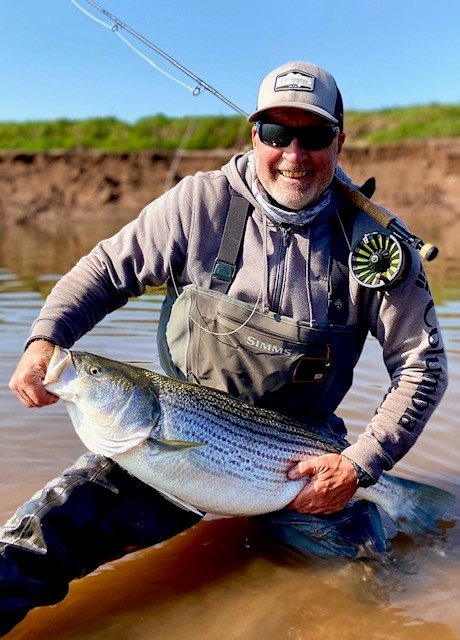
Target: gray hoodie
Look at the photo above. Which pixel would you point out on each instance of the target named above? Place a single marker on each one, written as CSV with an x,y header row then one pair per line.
x,y
181,231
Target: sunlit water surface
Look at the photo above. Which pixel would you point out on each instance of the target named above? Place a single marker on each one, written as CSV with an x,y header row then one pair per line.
x,y
223,579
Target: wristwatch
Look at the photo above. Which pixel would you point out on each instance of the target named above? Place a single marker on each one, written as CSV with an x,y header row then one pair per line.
x,y
364,479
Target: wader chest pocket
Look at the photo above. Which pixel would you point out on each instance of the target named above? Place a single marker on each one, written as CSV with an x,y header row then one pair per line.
x,y
267,360
311,369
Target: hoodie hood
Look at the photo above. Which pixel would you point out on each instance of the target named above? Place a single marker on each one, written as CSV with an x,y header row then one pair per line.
x,y
239,175
241,178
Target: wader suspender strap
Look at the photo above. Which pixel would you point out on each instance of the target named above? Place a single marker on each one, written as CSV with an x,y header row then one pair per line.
x,y
232,238
337,311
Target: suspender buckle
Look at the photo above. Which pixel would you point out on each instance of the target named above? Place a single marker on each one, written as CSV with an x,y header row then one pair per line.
x,y
223,271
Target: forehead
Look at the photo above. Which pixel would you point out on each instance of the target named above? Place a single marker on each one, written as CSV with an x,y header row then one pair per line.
x,y
293,117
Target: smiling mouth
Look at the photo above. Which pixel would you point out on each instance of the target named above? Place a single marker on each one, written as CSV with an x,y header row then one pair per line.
x,y
292,174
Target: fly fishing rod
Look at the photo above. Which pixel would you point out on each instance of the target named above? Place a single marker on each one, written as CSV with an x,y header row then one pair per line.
x,y
201,84
378,259
427,251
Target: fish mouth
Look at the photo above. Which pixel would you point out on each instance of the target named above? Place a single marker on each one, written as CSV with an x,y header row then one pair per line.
x,y
60,359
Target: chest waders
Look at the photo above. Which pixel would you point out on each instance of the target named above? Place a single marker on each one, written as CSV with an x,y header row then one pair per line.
x,y
266,359
96,512
272,361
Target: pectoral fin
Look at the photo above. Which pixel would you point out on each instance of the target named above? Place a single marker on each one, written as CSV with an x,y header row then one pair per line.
x,y
180,503
166,447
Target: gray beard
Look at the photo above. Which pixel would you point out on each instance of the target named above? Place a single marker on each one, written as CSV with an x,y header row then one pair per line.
x,y
284,216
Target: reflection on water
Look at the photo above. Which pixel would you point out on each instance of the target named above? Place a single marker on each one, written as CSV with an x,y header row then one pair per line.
x,y
223,578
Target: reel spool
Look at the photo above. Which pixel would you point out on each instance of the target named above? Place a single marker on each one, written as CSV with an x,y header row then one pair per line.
x,y
377,261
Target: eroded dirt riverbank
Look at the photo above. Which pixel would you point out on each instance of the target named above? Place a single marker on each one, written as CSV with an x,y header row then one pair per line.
x,y
419,181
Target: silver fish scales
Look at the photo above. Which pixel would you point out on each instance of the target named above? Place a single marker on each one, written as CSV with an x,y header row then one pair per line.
x,y
206,450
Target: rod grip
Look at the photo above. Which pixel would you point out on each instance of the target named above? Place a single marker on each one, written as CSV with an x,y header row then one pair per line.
x,y
427,251
362,202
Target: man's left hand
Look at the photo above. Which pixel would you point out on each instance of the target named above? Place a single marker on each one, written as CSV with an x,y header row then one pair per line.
x,y
332,484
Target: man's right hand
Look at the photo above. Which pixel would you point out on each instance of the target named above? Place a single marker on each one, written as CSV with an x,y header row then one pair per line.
x,y
27,380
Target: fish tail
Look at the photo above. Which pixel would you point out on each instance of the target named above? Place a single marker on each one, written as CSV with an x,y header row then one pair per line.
x,y
415,507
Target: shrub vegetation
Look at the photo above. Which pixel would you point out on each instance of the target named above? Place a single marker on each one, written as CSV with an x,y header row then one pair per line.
x,y
217,132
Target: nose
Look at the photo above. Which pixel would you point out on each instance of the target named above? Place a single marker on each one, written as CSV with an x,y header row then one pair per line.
x,y
294,152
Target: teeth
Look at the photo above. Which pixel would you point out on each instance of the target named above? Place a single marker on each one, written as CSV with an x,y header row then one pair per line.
x,y
294,174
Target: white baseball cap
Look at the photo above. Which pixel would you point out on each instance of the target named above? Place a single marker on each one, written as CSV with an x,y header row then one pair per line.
x,y
302,85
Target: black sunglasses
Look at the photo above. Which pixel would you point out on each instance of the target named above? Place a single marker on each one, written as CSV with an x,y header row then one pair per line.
x,y
311,138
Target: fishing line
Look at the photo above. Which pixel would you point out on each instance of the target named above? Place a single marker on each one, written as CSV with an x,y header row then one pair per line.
x,y
115,28
197,90
375,260
179,154
205,329
343,229
201,85
227,333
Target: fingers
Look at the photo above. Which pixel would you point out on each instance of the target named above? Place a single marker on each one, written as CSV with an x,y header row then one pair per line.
x,y
304,468
322,504
27,380
332,484
34,396
29,388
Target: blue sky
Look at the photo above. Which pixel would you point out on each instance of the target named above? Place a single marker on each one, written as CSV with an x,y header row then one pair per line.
x,y
57,62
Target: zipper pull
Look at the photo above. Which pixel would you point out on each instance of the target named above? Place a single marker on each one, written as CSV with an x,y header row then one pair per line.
x,y
287,230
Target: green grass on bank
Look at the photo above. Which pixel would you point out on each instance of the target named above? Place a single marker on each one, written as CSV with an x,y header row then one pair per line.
x,y
110,134
408,123
217,132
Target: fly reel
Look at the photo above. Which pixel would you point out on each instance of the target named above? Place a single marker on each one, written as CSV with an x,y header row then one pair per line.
x,y
378,261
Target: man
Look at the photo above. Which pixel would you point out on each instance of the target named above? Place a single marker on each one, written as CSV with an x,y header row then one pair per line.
x,y
273,317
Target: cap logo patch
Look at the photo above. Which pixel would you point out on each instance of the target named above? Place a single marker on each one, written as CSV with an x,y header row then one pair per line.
x,y
294,80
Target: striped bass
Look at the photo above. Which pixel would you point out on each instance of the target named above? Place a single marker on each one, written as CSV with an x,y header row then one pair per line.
x,y
206,450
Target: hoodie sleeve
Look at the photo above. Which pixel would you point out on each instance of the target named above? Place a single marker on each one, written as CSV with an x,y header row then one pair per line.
x,y
118,268
405,323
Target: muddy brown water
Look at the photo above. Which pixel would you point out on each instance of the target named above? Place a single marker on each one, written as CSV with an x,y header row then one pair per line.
x,y
223,579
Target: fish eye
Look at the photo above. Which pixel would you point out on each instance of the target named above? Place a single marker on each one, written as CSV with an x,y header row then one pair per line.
x,y
94,369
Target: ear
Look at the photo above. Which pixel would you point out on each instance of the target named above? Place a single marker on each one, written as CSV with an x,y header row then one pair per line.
x,y
340,142
253,134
